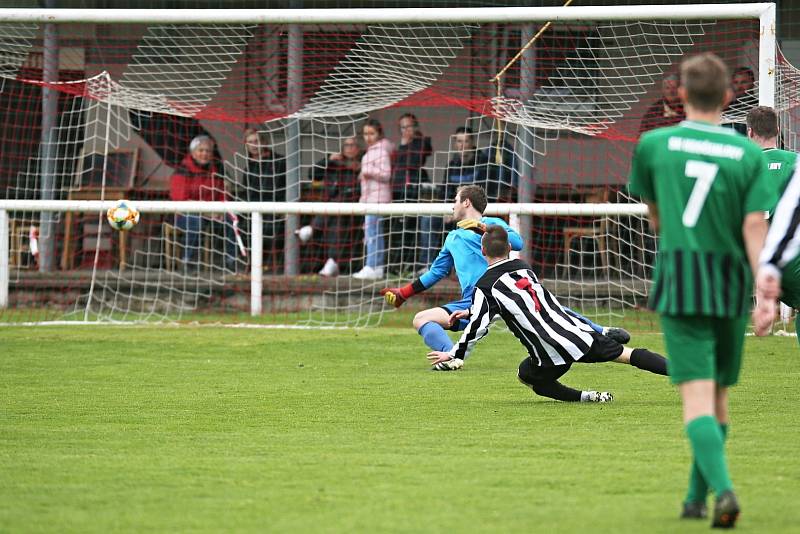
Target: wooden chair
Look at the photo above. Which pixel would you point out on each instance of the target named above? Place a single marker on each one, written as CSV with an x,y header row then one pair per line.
x,y
19,241
173,245
73,218
598,231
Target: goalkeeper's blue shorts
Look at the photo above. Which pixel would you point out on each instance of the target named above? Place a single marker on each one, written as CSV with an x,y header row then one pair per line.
x,y
456,305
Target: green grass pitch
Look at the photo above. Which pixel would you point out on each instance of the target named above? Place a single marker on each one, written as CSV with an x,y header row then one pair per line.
x,y
211,429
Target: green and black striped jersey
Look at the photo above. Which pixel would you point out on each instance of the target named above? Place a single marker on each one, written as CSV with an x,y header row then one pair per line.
x,y
704,180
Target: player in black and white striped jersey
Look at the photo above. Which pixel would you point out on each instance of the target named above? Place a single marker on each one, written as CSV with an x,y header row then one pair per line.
x,y
553,338
778,262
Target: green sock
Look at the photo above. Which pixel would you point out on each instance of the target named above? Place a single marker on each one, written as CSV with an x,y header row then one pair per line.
x,y
698,487
797,326
706,438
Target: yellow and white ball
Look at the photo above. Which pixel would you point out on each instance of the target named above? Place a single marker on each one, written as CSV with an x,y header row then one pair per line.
x,y
122,216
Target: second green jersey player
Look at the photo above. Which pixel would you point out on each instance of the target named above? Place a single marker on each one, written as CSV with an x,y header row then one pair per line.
x,y
762,128
780,166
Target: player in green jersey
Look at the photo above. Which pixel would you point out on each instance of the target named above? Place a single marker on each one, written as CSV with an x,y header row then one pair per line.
x,y
707,191
762,128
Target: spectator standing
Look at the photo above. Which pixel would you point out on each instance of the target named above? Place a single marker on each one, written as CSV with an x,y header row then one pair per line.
x,y
375,179
412,153
338,174
410,183
461,168
264,180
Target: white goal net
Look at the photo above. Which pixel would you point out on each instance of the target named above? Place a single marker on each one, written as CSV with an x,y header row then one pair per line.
x,y
361,127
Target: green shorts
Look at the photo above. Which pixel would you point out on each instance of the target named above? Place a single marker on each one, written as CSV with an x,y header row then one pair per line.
x,y
790,284
701,348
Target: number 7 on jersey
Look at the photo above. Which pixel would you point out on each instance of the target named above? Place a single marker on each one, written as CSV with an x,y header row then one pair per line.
x,y
705,173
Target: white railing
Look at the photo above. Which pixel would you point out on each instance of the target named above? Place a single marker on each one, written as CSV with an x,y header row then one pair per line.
x,y
257,209
324,208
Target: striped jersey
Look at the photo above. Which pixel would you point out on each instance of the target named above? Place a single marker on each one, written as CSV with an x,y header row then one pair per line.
x,y
462,250
783,239
510,289
703,180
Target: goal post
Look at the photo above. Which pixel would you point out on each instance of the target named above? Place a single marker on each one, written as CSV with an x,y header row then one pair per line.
x,y
286,97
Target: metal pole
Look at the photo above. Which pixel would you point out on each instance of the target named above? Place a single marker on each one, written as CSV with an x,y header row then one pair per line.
x,y
524,149
295,101
49,150
766,58
4,252
256,267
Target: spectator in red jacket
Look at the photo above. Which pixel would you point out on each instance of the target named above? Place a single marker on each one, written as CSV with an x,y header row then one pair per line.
x,y
196,178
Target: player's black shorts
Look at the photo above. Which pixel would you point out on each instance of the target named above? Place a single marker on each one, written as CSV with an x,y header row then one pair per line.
x,y
603,349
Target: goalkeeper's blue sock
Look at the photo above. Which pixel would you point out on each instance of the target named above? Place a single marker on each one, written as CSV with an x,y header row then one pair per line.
x,y
435,337
596,327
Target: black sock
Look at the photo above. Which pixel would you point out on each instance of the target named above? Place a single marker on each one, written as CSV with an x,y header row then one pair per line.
x,y
555,390
649,361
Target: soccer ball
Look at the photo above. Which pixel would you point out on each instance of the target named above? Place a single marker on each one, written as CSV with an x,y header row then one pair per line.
x,y
122,215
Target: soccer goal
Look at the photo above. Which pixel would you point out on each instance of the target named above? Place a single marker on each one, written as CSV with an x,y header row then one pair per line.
x,y
288,164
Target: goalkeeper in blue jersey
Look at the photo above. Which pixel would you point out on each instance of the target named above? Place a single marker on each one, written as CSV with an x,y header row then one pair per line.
x,y
462,250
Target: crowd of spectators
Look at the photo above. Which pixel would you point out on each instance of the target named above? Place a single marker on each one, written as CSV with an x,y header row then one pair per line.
x,y
368,168
668,109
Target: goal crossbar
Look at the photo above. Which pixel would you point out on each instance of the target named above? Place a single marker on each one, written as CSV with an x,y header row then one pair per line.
x,y
389,15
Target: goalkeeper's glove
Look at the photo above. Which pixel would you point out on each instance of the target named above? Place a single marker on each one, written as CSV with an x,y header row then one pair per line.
x,y
305,233
453,364
396,296
472,224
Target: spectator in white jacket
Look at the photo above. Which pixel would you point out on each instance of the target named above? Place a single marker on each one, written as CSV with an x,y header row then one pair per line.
x,y
375,179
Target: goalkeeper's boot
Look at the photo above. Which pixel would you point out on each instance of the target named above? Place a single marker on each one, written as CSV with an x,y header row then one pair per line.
x,y
620,335
694,510
600,396
450,365
726,511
